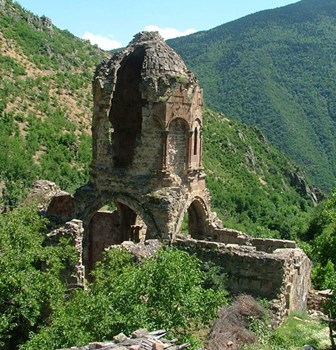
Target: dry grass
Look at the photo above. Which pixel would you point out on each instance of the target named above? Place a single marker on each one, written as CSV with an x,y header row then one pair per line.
x,y
230,329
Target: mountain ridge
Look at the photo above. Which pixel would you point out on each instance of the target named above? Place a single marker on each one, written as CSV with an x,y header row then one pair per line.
x,y
46,107
283,59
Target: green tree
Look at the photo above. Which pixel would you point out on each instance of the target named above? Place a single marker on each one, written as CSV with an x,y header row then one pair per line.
x,y
28,292
324,247
162,292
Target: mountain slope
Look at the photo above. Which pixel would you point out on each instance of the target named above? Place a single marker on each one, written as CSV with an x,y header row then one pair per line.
x,y
253,186
45,102
276,69
45,113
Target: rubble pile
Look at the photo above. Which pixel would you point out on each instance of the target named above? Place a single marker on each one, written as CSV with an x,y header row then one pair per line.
x,y
141,339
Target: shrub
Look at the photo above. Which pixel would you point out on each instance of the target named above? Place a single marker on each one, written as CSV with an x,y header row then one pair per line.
x,y
28,293
162,292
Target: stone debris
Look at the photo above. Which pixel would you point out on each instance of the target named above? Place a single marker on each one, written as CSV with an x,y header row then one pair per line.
x,y
140,339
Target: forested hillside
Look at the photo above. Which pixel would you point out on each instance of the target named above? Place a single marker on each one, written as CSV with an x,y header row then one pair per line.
x,y
46,105
254,187
45,113
276,69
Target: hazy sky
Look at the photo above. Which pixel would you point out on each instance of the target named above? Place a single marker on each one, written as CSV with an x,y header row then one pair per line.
x,y
112,23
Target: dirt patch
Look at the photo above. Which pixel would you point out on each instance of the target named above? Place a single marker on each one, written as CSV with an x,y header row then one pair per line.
x,y
10,49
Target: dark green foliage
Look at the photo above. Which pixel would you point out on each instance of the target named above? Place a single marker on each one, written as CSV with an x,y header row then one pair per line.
x,y
321,236
163,292
320,244
37,313
28,293
248,180
275,69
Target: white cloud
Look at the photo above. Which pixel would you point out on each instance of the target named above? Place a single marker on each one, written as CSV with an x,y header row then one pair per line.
x,y
103,42
169,33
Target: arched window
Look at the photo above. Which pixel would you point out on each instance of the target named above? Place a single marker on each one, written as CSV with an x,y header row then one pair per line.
x,y
195,141
195,219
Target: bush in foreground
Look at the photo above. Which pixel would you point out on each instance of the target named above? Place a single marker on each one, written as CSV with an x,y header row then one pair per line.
x,y
163,292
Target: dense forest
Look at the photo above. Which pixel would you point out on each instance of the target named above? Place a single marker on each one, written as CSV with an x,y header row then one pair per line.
x,y
284,60
45,112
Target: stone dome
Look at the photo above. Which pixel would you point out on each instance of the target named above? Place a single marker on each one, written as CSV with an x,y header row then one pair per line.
x,y
159,58
159,65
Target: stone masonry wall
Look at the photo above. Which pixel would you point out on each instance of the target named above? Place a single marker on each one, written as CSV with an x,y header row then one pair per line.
x,y
281,276
103,232
230,236
177,150
74,273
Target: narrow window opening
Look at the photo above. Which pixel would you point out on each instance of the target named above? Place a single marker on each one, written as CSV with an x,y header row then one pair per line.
x,y
195,141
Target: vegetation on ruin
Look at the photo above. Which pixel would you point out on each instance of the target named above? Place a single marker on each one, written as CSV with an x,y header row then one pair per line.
x,y
28,293
37,313
45,111
275,70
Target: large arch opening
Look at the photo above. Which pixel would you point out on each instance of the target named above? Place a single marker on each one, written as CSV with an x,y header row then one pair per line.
x,y
110,225
195,221
126,110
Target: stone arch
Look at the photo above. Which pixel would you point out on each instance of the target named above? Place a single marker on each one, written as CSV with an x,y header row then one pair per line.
x,y
178,145
103,228
198,215
147,218
126,109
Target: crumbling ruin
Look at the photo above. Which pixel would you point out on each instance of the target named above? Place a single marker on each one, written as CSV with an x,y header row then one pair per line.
x,y
147,165
147,144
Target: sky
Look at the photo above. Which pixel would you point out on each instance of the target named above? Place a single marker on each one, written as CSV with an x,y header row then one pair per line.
x,y
113,23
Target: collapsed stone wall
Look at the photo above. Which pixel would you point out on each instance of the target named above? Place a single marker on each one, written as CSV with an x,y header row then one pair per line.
x,y
74,273
280,275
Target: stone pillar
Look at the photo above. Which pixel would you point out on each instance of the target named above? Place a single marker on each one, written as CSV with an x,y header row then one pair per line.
x,y
190,146
200,164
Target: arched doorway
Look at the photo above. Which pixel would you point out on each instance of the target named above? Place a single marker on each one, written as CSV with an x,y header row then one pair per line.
x,y
111,225
195,221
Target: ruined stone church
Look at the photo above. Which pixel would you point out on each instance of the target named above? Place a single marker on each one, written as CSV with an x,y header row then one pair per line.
x,y
147,165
